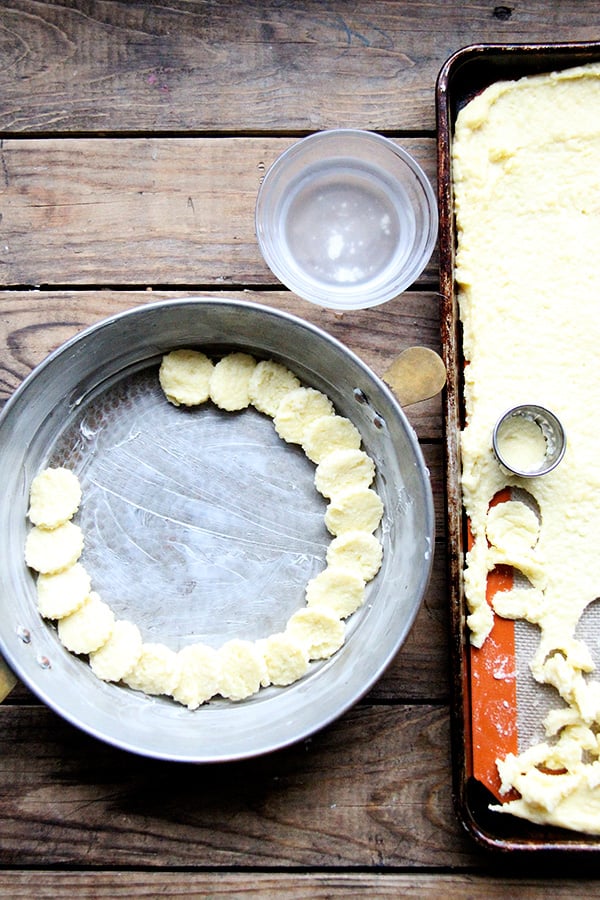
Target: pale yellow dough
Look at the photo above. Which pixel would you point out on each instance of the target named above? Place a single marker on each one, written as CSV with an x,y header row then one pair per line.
x,y
49,550
339,591
354,509
157,671
243,669
343,469
286,659
359,551
60,594
120,652
200,675
527,194
328,433
89,627
318,631
54,497
184,376
298,410
269,383
230,381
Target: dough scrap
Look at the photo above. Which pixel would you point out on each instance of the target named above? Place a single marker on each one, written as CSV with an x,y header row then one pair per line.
x,y
328,433
54,497
269,383
318,631
356,550
60,594
184,376
119,654
89,627
354,509
286,659
50,550
339,591
230,381
200,675
343,469
298,410
243,669
157,670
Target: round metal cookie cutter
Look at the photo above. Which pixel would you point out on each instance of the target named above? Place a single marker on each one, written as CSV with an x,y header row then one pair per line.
x,y
551,429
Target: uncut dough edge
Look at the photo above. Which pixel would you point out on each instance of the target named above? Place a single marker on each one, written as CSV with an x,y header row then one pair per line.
x,y
514,203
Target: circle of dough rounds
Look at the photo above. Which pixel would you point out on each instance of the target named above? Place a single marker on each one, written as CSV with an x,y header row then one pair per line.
x,y
119,654
243,669
230,379
49,550
297,410
357,550
54,497
269,383
329,433
184,376
512,526
62,593
318,631
355,509
157,670
200,675
285,658
90,626
339,591
342,469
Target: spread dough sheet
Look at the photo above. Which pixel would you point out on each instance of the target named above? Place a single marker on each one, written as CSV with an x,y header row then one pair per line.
x,y
237,669
526,177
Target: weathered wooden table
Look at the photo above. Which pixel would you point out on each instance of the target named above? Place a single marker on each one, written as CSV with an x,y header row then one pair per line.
x,y
134,138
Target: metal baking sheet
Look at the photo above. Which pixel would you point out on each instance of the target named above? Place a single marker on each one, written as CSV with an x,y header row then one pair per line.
x,y
463,76
203,525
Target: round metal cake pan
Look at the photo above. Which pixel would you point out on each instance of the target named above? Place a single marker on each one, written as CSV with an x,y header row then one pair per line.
x,y
153,474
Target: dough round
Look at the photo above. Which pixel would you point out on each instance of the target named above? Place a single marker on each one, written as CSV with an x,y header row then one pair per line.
x,y
230,381
243,669
54,497
286,659
342,469
512,526
157,670
318,631
200,676
298,410
119,654
184,376
356,550
354,509
269,383
328,433
89,627
49,550
339,591
61,594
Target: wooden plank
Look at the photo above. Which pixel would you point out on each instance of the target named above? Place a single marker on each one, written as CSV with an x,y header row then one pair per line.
x,y
373,789
34,323
48,885
186,64
143,211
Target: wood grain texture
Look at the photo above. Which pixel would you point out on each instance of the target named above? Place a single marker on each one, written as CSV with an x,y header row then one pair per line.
x,y
261,66
143,211
373,789
48,885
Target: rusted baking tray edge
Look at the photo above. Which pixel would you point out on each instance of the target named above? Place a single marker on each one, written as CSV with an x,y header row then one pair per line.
x,y
465,74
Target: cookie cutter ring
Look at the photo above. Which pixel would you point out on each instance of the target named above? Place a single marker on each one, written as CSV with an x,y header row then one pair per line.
x,y
551,429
